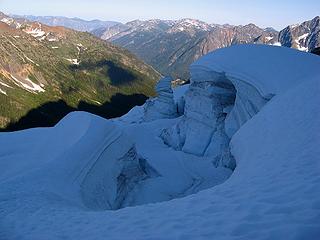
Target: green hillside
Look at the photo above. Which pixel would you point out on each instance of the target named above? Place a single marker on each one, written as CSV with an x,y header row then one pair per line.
x,y
41,64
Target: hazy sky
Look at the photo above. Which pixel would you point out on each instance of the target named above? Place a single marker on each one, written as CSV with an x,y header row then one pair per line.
x,y
274,13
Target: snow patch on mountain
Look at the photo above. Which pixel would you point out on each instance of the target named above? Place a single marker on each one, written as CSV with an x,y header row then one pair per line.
x,y
3,92
269,38
187,25
7,21
52,39
301,41
5,85
27,84
277,44
36,32
73,61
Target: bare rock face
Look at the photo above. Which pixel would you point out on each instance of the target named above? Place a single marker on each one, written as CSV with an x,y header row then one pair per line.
x,y
163,106
304,36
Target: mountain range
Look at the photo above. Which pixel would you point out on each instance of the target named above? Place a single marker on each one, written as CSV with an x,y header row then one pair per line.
x,y
171,46
46,72
77,24
44,69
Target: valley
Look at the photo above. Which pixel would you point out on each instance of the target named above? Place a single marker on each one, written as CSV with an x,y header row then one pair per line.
x,y
171,46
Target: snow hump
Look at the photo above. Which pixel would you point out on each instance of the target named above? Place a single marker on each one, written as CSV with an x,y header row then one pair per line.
x,y
270,69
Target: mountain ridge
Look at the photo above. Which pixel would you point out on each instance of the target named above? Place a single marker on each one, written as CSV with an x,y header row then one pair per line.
x,y
183,41
74,23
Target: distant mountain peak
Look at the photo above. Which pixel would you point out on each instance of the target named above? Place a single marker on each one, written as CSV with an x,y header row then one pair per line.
x,y
173,45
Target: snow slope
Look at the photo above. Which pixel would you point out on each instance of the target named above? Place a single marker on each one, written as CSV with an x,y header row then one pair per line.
x,y
272,194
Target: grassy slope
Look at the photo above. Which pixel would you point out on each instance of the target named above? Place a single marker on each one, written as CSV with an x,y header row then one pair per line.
x,y
104,71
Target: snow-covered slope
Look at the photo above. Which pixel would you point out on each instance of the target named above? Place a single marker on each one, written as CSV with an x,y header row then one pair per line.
x,y
91,163
272,193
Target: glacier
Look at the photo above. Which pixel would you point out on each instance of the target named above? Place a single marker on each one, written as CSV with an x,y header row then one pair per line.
x,y
233,155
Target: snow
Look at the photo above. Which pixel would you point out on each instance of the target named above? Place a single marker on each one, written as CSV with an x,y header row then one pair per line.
x,y
54,47
269,38
52,39
180,91
277,44
163,106
34,87
194,23
285,62
30,60
225,81
5,85
35,32
24,55
60,182
303,37
7,21
188,24
97,102
74,61
304,49
28,84
3,92
299,44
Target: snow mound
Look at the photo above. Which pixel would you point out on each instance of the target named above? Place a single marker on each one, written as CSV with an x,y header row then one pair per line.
x,y
272,70
91,163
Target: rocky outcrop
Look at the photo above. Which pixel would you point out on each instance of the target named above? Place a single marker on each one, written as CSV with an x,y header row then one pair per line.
x,y
304,36
163,106
172,46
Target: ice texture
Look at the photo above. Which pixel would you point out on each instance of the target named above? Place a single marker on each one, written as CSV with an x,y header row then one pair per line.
x,y
228,87
163,106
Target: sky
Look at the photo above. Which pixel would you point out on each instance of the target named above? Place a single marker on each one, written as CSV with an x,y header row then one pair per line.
x,y
264,13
